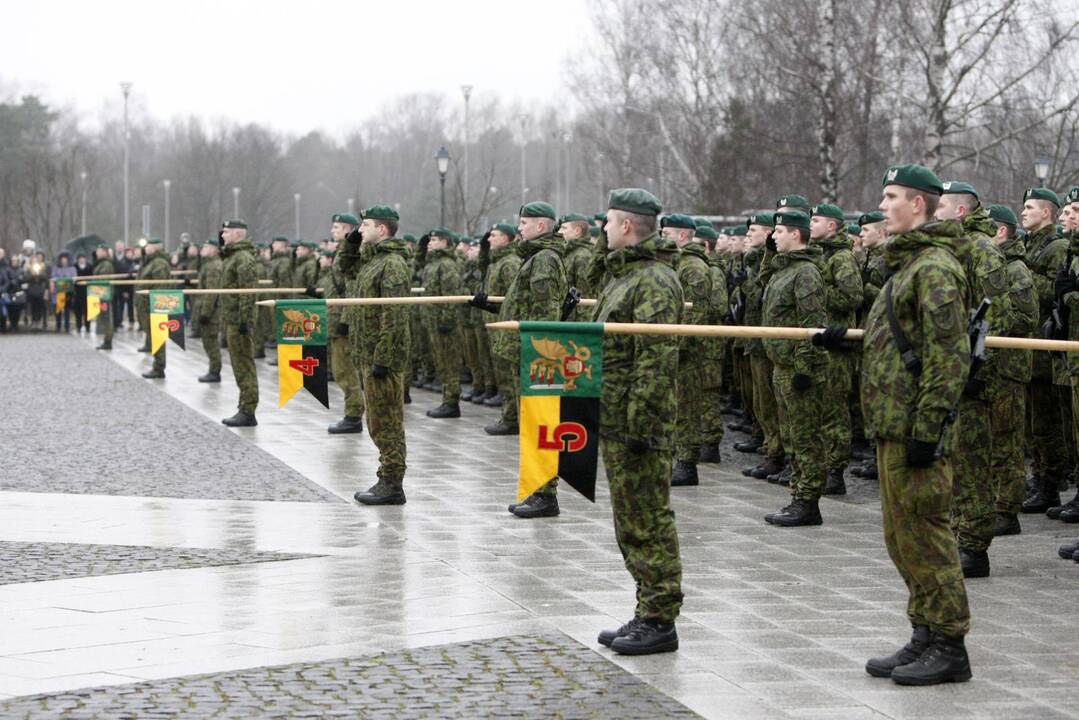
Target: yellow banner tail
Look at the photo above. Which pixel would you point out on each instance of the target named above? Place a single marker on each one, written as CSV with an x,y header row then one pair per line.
x,y
93,307
61,302
289,379
540,414
159,331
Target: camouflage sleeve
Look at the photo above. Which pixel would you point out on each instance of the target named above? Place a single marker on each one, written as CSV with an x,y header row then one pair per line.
x,y
697,289
547,284
209,277
579,275
597,265
844,295
1024,304
351,256
993,282
161,271
1045,282
720,297
247,276
942,344
655,359
393,319
810,312
449,283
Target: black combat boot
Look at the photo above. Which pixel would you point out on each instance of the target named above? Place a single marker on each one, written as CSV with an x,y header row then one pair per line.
x,y
1046,495
210,377
748,446
467,395
1007,524
154,375
346,426
387,491
1070,513
480,395
709,453
801,512
445,410
1068,551
1053,513
495,400
241,419
260,352
771,516
684,473
783,477
834,484
646,638
606,637
501,428
919,642
105,346
537,506
771,466
975,563
945,660
408,397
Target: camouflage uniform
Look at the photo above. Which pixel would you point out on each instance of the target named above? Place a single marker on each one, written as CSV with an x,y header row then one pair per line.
x,y
241,270
795,297
928,289
711,420
764,405
264,322
577,258
155,267
104,319
638,404
503,268
422,362
483,375
208,310
380,336
467,320
441,276
749,264
695,373
345,374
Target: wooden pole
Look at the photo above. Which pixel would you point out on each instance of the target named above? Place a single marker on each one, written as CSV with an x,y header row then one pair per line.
x,y
239,291
174,281
425,300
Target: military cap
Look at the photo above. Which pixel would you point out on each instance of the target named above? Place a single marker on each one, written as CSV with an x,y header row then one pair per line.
x,y
868,218
594,231
574,217
763,218
505,228
280,238
347,218
702,222
600,217
538,209
294,243
262,245
634,200
409,237
234,223
958,187
154,241
441,233
310,244
326,252
677,220
854,229
100,244
916,177
709,233
792,201
1003,214
1040,193
828,210
738,230
726,230
213,241
1073,195
792,218
380,212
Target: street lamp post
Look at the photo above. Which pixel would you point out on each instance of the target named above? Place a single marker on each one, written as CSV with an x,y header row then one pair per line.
x,y
82,224
125,87
524,141
466,90
566,170
296,199
1041,169
442,158
167,183
351,204
235,202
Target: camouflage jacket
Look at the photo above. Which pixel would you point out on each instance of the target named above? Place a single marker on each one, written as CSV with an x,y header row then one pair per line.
x,y
241,270
500,273
842,280
536,293
987,277
753,290
639,370
281,269
470,284
334,285
1014,365
210,271
577,258
305,273
597,273
1046,254
104,267
720,305
795,297
156,267
928,289
872,280
442,276
696,279
380,332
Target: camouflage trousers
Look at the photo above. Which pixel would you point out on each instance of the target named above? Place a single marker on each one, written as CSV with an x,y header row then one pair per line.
x,y
386,420
644,527
1046,436
854,404
483,375
470,352
210,327
802,412
689,432
423,365
744,381
346,375
159,357
446,352
973,511
142,311
836,407
764,405
916,508
242,358
1067,417
1009,470
104,321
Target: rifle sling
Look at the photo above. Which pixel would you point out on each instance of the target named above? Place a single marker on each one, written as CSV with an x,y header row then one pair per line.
x,y
906,351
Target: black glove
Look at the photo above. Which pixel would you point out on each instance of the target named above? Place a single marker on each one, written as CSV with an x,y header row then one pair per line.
x,y
187,282
485,242
479,300
770,244
342,329
801,382
636,445
354,237
311,292
379,371
243,329
1065,283
832,339
920,454
444,329
220,238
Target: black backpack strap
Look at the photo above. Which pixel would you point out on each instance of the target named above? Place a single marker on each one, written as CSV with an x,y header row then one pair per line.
x,y
911,361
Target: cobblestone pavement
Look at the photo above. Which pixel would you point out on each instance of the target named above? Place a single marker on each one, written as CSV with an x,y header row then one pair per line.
x,y
140,441
777,623
550,676
23,562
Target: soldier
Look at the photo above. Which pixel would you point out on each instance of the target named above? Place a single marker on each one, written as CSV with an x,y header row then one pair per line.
x,y
208,308
499,264
155,267
575,230
264,322
191,259
711,421
280,276
442,276
1046,254
1066,287
873,237
484,383
378,262
103,266
240,270
695,373
636,426
335,285
305,272
468,274
537,292
916,361
795,296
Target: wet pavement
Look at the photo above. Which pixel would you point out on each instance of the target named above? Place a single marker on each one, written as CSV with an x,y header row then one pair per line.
x,y
777,622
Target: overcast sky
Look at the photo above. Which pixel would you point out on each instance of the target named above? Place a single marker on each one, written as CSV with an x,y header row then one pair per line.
x,y
296,66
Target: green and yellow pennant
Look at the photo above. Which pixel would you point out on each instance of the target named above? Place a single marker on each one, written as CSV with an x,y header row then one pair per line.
x,y
301,349
64,288
166,318
561,385
98,297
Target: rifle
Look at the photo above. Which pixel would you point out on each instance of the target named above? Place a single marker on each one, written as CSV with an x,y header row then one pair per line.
x,y
977,331
573,299
1056,327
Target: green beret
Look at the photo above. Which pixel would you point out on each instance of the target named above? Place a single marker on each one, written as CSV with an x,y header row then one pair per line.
x,y
262,246
708,233
153,241
327,252
1073,195
634,200
916,177
280,238
1003,214
726,230
538,209
828,210
677,220
235,223
380,212
409,237
594,231
958,187
347,218
871,217
213,241
294,244
505,228
574,217
738,230
600,217
854,229
1041,193
702,222
792,218
793,201
764,218
441,233
310,244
